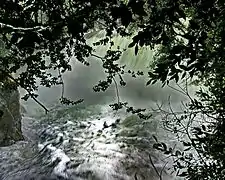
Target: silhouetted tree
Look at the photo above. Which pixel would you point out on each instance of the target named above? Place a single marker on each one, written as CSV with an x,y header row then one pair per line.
x,y
187,35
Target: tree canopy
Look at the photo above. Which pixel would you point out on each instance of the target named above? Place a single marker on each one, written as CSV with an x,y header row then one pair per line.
x,y
187,35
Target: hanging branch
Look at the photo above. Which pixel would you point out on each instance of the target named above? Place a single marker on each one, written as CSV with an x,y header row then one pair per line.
x,y
117,90
153,165
163,169
29,92
116,85
62,84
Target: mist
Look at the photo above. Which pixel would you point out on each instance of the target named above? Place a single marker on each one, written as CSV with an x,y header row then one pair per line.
x,y
79,83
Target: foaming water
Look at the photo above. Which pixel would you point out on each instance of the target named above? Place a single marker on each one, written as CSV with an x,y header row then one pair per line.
x,y
86,144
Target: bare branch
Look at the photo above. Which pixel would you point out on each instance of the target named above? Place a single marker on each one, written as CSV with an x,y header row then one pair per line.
x,y
163,169
177,90
153,165
117,90
186,129
99,57
35,28
62,83
116,85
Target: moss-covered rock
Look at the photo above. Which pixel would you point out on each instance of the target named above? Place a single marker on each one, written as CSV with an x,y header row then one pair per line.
x,y
133,126
10,119
131,121
135,122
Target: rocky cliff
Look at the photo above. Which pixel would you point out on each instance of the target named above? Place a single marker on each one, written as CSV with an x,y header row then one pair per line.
x,y
10,116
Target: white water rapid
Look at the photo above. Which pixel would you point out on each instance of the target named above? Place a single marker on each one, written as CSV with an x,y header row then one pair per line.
x,y
92,143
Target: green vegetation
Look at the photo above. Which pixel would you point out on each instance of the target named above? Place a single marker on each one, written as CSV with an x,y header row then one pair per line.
x,y
187,35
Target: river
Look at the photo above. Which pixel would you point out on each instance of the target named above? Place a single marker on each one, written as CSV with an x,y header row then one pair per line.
x,y
85,143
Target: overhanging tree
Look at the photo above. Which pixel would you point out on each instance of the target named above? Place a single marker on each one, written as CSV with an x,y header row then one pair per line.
x,y
33,31
192,49
188,36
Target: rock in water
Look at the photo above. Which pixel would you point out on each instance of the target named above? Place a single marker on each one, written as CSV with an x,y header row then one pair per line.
x,y
10,119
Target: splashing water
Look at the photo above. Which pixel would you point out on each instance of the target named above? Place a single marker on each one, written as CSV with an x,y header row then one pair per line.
x,y
83,144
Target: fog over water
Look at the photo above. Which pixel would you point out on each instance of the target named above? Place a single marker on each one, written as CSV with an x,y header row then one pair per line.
x,y
80,81
90,141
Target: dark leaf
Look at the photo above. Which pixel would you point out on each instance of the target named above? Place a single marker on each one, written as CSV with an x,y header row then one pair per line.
x,y
131,44
203,127
164,146
138,8
125,15
186,143
15,38
155,138
1,113
135,176
183,75
177,153
155,81
181,13
141,42
182,67
177,78
183,174
148,82
136,49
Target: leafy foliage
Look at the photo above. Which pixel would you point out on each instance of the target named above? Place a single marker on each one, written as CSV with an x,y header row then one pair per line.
x,y
188,36
33,32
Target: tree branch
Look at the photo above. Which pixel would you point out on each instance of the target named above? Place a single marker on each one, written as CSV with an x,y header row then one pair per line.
x,y
153,165
62,83
117,90
29,92
35,28
116,85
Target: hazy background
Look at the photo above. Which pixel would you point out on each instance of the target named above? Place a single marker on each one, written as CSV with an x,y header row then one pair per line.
x,y
80,81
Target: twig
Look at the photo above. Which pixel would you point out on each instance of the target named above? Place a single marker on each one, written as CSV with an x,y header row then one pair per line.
x,y
62,83
177,89
117,90
116,85
188,134
163,169
97,56
150,158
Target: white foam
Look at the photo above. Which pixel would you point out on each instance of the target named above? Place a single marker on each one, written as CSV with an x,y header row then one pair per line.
x,y
60,134
60,169
40,146
69,123
58,154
